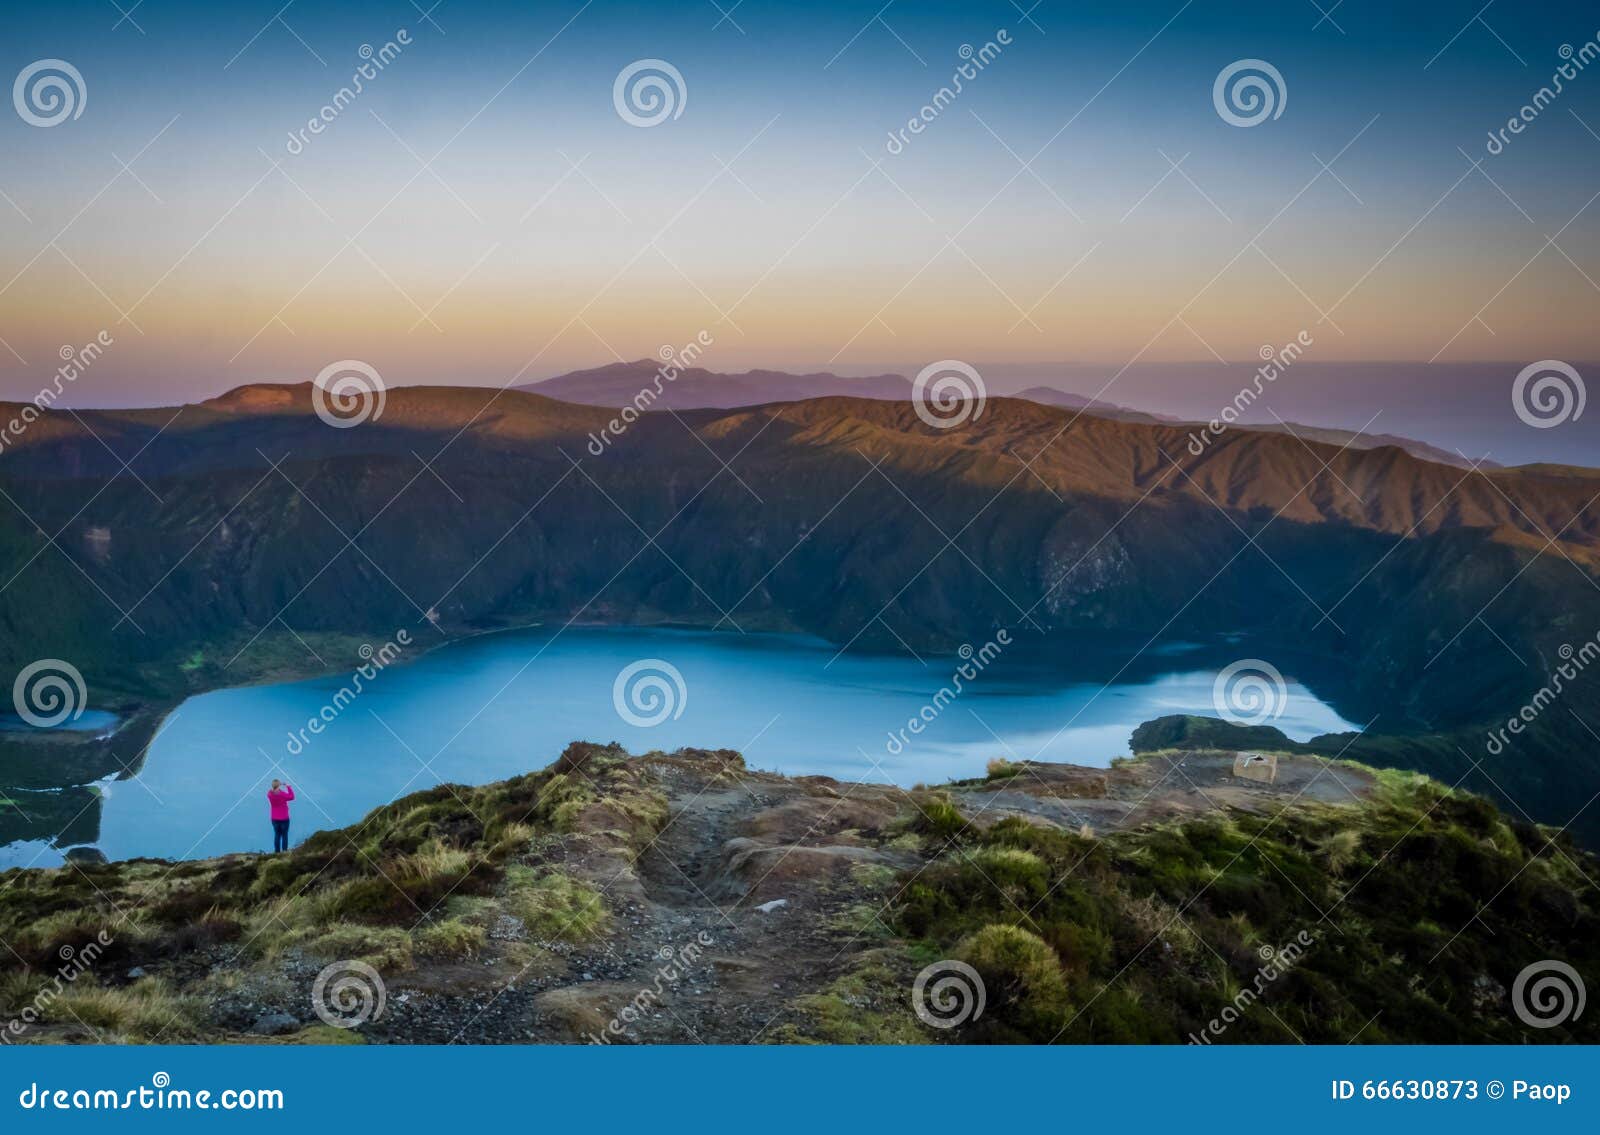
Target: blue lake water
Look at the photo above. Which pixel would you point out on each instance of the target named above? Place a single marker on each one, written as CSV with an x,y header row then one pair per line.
x,y
498,705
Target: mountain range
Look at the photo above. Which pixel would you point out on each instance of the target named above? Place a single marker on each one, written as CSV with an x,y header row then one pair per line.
x,y
1437,600
619,384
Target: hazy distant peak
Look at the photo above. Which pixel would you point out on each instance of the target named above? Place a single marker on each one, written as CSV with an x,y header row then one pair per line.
x,y
1052,396
259,397
685,388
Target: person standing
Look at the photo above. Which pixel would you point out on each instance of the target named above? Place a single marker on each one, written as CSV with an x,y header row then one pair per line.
x,y
278,797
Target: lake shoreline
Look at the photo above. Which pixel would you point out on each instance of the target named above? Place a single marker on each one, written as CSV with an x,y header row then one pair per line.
x,y
143,719
350,740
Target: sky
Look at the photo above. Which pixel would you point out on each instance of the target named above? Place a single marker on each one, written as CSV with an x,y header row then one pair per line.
x,y
483,211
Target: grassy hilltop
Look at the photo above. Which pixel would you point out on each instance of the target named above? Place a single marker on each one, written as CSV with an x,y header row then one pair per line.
x,y
1132,904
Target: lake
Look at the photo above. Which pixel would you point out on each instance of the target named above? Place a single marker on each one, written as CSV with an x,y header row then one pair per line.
x,y
493,706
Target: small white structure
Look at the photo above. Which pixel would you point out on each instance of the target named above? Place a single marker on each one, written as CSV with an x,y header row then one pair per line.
x,y
1256,766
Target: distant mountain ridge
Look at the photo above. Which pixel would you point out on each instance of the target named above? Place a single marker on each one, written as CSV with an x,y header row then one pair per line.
x,y
1342,438
693,388
618,384
1051,396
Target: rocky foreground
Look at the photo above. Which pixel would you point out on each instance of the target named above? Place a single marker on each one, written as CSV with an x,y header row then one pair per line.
x,y
683,898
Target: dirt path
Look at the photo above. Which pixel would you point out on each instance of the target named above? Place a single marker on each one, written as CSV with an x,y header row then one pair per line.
x,y
760,890
730,913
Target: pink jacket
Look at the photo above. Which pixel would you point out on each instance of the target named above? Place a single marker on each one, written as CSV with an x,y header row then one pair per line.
x,y
280,801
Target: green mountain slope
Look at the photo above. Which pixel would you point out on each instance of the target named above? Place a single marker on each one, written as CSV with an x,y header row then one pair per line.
x,y
1435,599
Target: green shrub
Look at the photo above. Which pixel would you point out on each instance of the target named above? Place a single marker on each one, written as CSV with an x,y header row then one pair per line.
x,y
939,817
1021,974
383,947
142,1012
279,875
450,939
1022,874
1150,930
555,907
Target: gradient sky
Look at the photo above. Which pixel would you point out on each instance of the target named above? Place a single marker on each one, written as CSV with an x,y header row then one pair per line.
x,y
210,268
